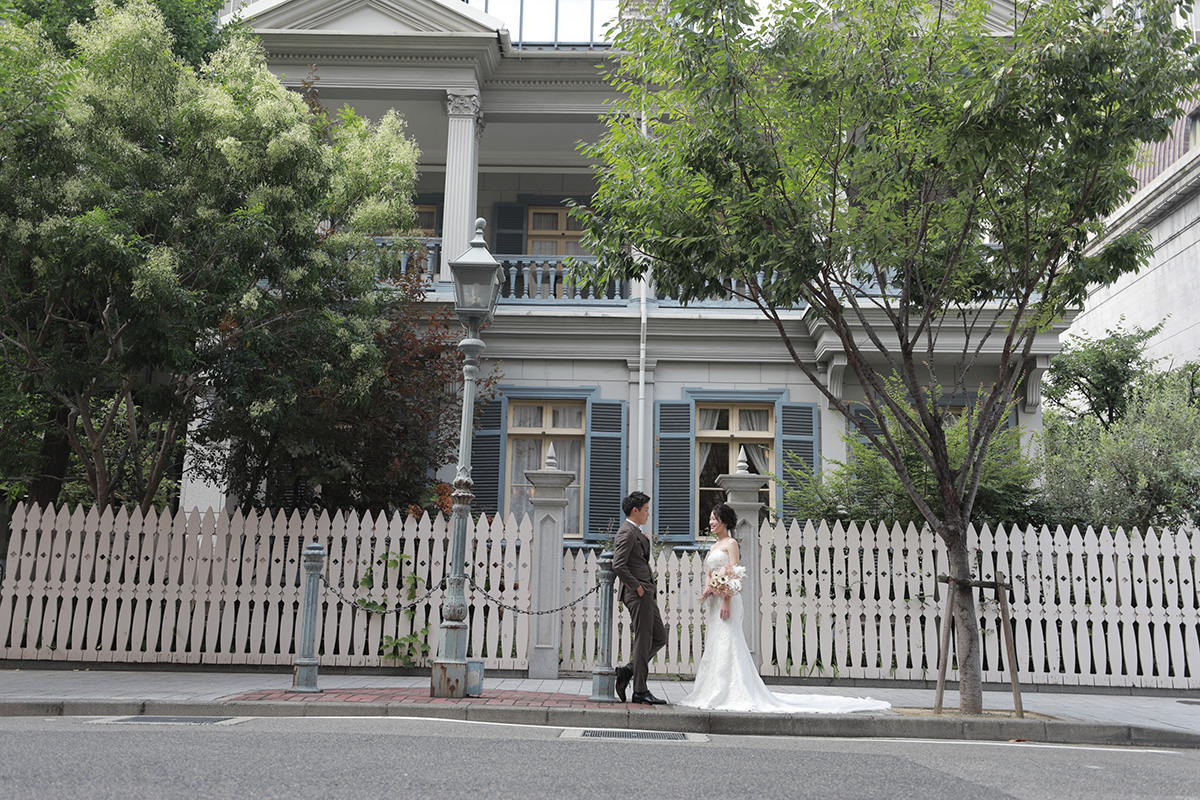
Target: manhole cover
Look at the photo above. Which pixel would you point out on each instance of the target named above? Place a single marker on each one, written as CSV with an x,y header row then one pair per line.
x,y
616,734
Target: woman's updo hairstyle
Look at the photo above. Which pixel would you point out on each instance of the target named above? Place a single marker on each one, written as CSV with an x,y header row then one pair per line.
x,y
727,515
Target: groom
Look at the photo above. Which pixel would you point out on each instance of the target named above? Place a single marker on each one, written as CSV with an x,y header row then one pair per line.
x,y
631,562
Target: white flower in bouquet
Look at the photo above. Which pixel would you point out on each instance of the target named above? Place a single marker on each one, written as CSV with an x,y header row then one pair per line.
x,y
726,581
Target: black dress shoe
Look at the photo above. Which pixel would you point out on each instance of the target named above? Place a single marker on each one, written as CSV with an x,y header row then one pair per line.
x,y
648,699
624,675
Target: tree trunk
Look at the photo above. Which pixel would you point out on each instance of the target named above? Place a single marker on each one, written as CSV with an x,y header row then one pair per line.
x,y
966,622
56,456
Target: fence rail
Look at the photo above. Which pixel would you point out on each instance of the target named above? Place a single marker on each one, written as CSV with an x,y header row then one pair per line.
x,y
1101,608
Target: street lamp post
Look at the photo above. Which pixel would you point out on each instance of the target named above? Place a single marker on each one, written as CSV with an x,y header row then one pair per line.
x,y
476,290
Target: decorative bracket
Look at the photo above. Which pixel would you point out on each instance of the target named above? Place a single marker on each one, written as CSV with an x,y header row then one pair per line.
x,y
835,369
1033,383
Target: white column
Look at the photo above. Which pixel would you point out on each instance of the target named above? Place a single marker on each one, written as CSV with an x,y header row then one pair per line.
x,y
741,491
546,568
462,177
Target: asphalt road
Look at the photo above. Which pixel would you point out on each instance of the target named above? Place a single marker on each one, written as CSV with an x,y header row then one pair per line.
x,y
397,758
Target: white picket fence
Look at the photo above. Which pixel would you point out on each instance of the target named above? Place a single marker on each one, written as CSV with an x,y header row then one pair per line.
x,y
1089,608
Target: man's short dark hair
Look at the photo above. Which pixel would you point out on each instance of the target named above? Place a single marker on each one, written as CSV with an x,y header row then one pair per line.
x,y
634,501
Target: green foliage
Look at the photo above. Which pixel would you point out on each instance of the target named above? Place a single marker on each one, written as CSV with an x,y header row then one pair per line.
x,y
34,81
191,23
368,433
903,173
1131,455
1097,378
866,488
164,224
411,648
922,187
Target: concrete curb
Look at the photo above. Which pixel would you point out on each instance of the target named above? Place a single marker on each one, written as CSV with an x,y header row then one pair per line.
x,y
858,726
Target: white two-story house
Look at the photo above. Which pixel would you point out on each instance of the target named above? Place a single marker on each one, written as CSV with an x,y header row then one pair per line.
x,y
633,390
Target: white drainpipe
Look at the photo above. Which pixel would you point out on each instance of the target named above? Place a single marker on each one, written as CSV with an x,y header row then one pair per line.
x,y
641,440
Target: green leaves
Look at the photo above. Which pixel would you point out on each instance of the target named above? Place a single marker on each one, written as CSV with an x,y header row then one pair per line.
x,y
907,175
159,237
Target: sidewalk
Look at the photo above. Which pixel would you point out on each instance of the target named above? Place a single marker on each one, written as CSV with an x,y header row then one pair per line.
x,y
1161,721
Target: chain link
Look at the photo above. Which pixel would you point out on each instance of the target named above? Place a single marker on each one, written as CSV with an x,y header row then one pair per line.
x,y
502,604
413,604
369,610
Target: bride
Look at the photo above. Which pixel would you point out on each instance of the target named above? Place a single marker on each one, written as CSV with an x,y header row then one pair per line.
x,y
727,679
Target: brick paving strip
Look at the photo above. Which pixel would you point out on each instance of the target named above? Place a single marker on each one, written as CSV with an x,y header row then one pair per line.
x,y
488,698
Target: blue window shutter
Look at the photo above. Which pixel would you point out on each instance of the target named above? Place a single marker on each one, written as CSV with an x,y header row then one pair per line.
x,y
798,434
605,448
509,229
674,506
867,417
487,458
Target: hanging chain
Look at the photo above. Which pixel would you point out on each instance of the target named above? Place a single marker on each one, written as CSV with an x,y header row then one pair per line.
x,y
368,609
435,587
502,604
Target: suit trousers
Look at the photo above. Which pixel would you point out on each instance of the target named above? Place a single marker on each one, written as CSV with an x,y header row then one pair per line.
x,y
649,634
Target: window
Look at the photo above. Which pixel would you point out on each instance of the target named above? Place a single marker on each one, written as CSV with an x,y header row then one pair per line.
x,y
698,437
721,432
427,219
588,432
532,428
554,232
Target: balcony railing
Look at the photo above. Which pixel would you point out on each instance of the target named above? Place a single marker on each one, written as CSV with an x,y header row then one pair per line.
x,y
540,280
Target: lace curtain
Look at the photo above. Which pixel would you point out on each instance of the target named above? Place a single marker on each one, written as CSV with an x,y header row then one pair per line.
x,y
706,420
756,420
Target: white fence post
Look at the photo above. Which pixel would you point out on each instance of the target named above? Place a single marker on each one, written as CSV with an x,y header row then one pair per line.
x,y
549,503
741,492
1088,607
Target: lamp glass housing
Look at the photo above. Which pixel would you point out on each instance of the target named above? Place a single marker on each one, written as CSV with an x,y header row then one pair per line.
x,y
476,281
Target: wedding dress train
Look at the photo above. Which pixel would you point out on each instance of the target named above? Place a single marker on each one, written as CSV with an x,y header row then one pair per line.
x,y
727,679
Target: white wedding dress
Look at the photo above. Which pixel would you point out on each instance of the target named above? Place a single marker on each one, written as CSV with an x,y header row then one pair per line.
x,y
727,679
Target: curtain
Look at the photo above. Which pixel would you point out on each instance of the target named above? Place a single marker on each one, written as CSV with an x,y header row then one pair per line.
x,y
706,420
756,419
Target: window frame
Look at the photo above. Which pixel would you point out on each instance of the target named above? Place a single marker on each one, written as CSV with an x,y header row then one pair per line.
x,y
595,500
735,437
781,441
560,235
548,435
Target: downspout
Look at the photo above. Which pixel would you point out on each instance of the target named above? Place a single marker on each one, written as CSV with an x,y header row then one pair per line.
x,y
641,443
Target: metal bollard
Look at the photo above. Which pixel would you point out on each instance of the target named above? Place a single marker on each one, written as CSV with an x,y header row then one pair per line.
x,y
304,677
604,677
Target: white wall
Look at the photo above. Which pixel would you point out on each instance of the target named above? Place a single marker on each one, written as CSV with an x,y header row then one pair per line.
x,y
1169,288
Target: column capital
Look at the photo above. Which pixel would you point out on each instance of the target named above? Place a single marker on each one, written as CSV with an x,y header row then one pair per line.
x,y
462,103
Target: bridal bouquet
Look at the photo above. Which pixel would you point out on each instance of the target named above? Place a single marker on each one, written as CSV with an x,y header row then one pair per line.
x,y
726,581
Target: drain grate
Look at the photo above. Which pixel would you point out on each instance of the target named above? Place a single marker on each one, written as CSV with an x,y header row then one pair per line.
x,y
618,734
175,720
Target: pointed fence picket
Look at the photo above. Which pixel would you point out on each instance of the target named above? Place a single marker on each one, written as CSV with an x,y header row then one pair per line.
x,y
1088,607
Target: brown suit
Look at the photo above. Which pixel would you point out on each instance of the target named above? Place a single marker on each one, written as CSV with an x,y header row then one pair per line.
x,y
631,562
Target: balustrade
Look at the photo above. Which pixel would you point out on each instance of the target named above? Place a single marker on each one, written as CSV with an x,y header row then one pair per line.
x,y
545,279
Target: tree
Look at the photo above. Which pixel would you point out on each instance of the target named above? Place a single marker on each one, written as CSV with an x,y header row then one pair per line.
x,y
322,444
1123,447
866,488
192,23
922,188
1098,378
168,219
